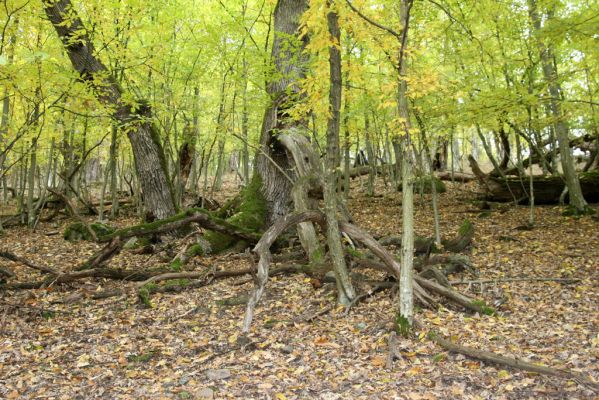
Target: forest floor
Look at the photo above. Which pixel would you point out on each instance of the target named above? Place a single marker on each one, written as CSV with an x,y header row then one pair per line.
x,y
187,347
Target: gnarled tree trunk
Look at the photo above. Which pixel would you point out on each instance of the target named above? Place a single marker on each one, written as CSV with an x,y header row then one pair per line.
x,y
273,165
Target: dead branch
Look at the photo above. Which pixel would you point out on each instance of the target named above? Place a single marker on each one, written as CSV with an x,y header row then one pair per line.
x,y
493,358
13,257
106,253
531,279
74,212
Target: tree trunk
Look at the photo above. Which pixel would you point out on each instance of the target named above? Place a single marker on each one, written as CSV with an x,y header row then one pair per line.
x,y
577,199
273,167
149,157
345,290
406,285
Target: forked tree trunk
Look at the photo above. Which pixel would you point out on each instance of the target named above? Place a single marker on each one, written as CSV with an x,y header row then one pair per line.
x,y
149,157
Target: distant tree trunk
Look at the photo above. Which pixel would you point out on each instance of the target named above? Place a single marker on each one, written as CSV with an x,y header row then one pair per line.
x,y
114,208
346,133
245,154
188,147
4,123
149,157
371,157
31,181
560,125
3,132
272,165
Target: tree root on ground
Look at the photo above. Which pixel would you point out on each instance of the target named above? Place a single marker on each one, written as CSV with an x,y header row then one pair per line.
x,y
422,287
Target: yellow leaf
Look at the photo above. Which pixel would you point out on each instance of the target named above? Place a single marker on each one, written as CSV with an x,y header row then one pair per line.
x,y
503,374
281,396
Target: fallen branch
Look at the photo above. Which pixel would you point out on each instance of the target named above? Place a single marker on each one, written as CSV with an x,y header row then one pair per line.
x,y
13,257
182,220
491,357
532,279
74,212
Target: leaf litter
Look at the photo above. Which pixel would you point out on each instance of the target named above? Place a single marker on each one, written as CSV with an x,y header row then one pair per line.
x,y
189,344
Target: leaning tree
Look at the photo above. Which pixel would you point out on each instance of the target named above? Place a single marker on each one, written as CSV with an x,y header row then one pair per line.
x,y
132,117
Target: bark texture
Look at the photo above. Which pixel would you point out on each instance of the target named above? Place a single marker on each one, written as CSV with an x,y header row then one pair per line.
x,y
345,290
288,62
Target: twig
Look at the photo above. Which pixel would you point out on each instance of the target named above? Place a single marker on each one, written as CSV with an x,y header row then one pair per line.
x,y
171,276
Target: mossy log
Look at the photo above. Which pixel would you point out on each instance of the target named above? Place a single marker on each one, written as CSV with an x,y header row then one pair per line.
x,y
546,189
423,185
80,231
182,220
248,215
462,240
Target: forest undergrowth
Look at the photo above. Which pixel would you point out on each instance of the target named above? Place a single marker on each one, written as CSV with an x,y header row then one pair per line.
x,y
60,343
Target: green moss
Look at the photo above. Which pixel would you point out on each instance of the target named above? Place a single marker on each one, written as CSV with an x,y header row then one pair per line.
x,y
195,250
484,214
77,231
143,293
354,253
483,307
176,265
141,358
571,211
137,242
423,184
402,325
177,282
250,215
466,228
592,175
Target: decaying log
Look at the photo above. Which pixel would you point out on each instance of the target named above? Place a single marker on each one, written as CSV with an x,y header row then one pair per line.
x,y
462,240
105,254
68,277
503,280
6,273
547,189
456,176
